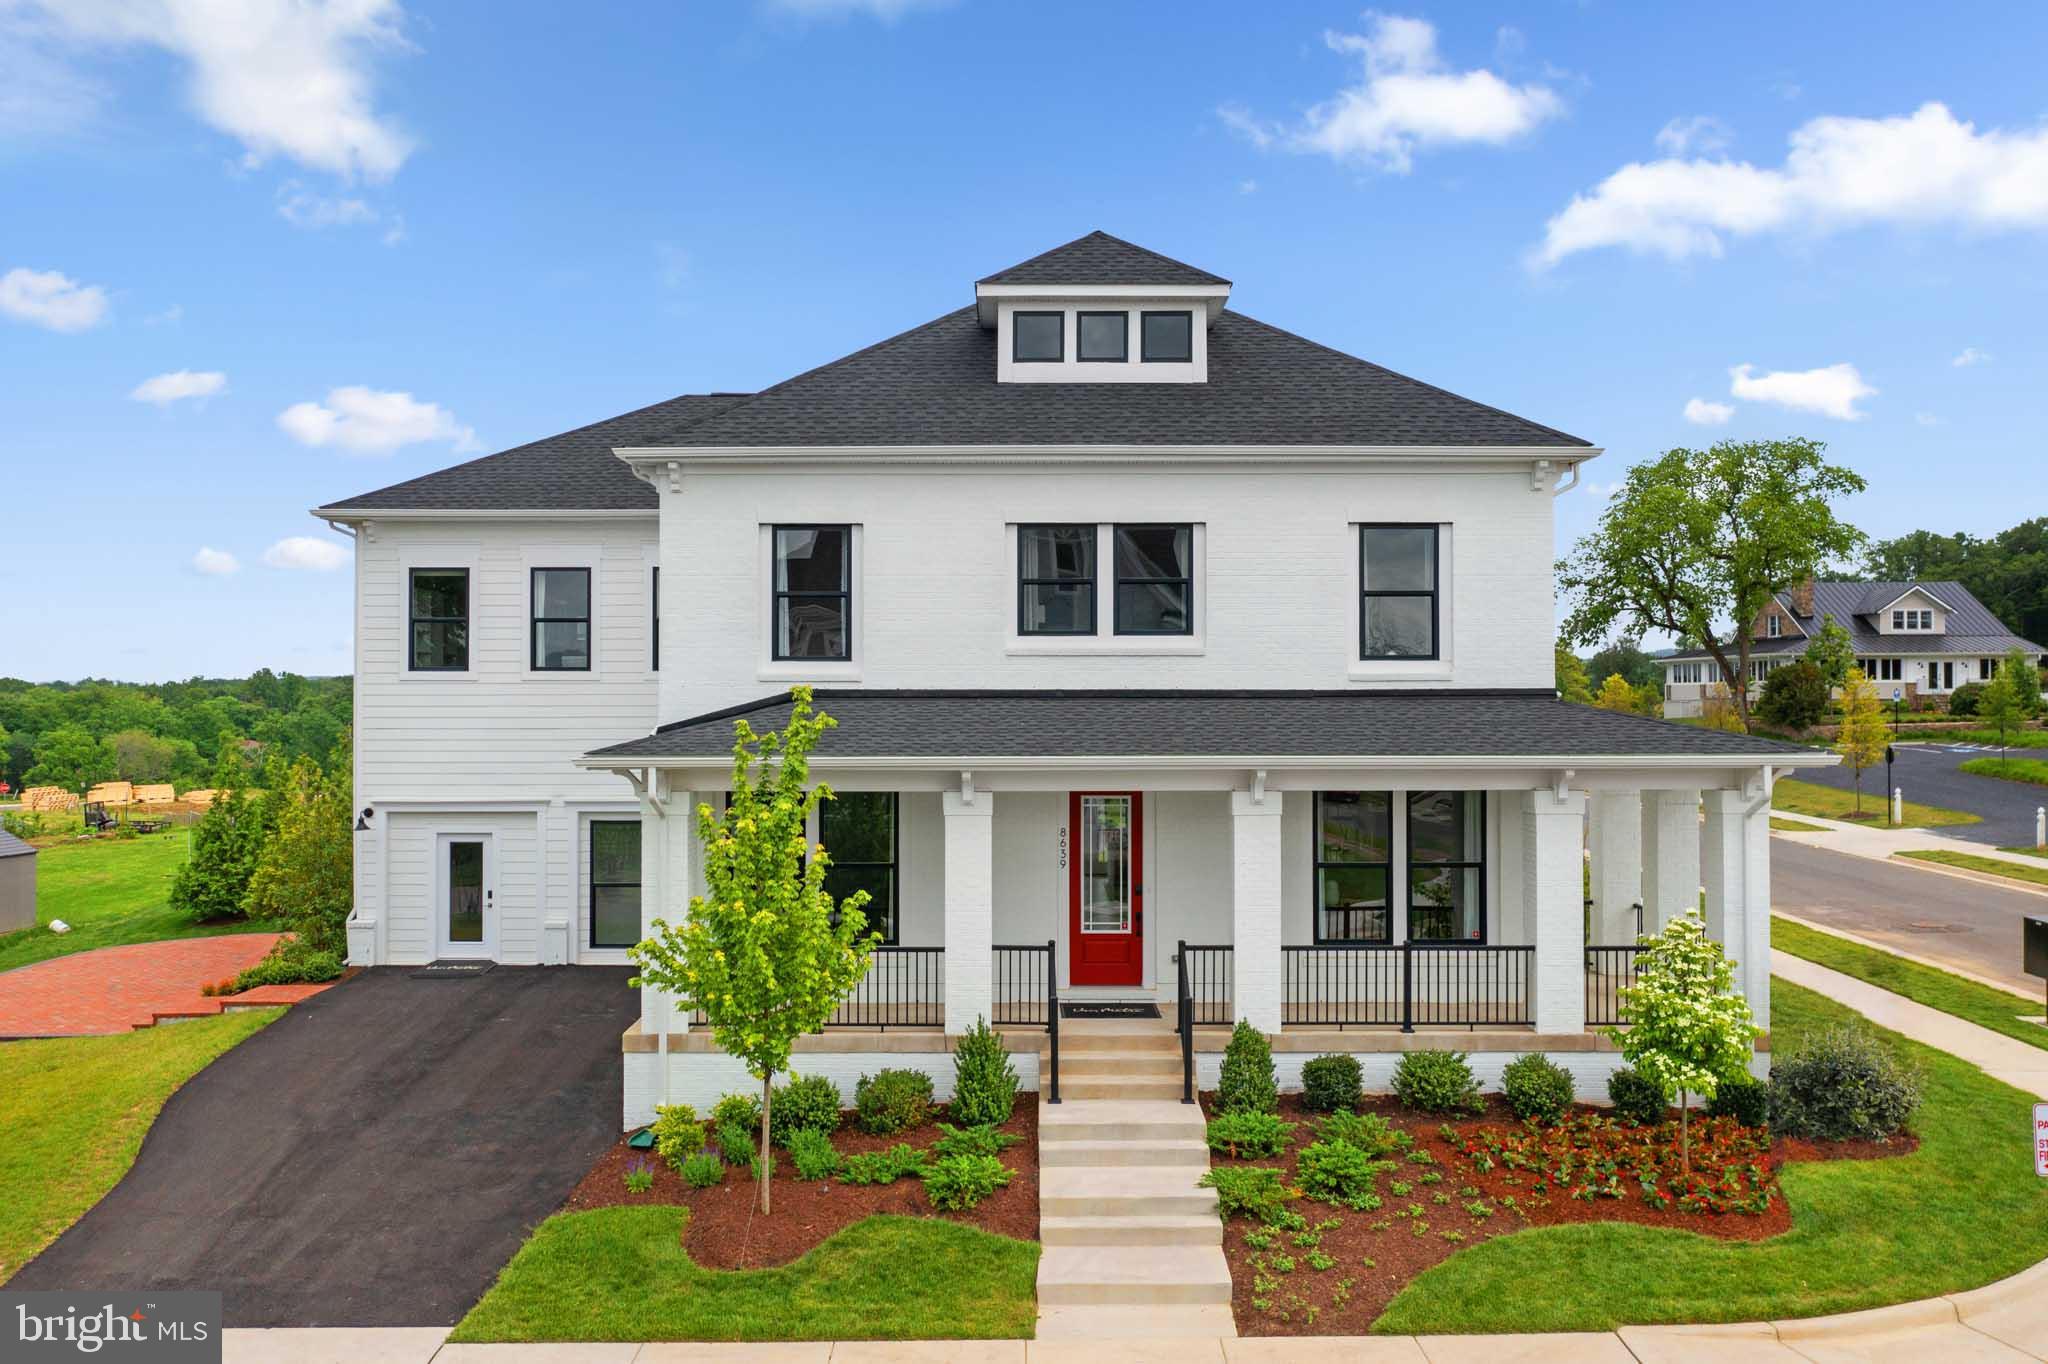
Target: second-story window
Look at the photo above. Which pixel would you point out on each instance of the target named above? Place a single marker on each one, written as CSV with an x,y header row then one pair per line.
x,y
1038,337
1397,580
1155,580
1103,336
813,596
439,620
561,620
1772,625
1168,337
1056,580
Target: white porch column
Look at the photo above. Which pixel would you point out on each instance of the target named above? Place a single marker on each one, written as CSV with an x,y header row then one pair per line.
x,y
1255,907
1736,860
668,856
1553,907
970,907
1671,856
1616,842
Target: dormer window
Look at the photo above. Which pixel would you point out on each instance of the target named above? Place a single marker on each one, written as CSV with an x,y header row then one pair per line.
x,y
1169,338
1040,337
1103,336
1773,626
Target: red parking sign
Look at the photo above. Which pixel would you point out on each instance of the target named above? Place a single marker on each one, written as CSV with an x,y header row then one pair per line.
x,y
2041,1140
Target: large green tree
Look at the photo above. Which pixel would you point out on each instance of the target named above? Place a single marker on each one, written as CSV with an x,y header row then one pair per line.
x,y
304,874
1696,542
213,883
71,758
1626,657
1573,683
1831,652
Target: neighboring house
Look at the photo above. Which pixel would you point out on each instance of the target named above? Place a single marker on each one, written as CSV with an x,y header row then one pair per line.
x,y
1144,623
17,883
1916,639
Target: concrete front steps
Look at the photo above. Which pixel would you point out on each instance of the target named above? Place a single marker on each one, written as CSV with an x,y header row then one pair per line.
x,y
1132,1246
1120,1064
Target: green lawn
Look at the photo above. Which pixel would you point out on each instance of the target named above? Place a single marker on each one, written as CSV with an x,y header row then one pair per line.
x,y
2009,769
2017,738
1825,802
1963,1210
1793,826
2038,850
111,891
75,1114
1984,1005
622,1274
1995,866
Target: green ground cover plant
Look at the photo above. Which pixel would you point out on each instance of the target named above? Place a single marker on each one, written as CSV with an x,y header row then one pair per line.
x,y
1984,1005
2031,770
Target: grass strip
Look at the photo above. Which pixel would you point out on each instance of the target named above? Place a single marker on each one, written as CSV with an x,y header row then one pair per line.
x,y
1793,826
1985,1005
2031,770
1995,866
1825,802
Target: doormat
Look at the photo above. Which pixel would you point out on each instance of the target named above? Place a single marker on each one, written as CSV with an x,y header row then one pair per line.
x,y
451,970
1112,1009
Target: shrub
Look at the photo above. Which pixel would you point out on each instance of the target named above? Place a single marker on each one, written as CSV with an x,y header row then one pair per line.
x,y
677,1134
703,1170
1747,1100
1251,1190
290,961
984,1081
1963,700
1842,1084
1793,697
1436,1082
982,1140
744,1109
1369,1132
1246,1084
1536,1088
959,1182
891,1100
640,1176
1329,1083
736,1142
811,1102
1635,1098
811,1152
1240,1135
1338,1172
882,1167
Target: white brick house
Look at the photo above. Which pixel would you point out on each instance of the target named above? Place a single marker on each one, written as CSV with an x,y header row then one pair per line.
x,y
1145,623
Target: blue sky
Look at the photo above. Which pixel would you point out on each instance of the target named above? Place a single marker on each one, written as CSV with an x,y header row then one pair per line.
x,y
261,256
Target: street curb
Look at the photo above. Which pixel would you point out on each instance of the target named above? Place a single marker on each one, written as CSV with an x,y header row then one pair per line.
x,y
1875,946
1988,878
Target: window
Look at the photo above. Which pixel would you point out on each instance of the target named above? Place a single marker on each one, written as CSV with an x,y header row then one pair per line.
x,y
1397,581
1772,626
1882,669
858,829
1354,858
561,620
1056,580
1155,580
654,625
1038,337
439,620
1168,337
1447,866
813,592
1898,620
1986,667
614,882
1103,336
1941,676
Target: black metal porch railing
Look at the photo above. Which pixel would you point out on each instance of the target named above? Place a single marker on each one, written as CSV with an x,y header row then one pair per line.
x,y
1024,991
1203,993
1401,985
1608,969
905,987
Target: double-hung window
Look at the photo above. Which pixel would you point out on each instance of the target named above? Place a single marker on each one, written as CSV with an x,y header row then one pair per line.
x,y
858,831
1446,866
1397,584
813,597
1155,580
560,639
438,620
1354,859
614,882
1056,580
1773,626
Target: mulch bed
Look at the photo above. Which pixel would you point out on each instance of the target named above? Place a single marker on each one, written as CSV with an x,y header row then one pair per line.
x,y
727,1231
1306,1300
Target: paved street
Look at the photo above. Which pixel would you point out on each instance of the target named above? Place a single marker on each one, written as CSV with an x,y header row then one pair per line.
x,y
1971,925
1927,773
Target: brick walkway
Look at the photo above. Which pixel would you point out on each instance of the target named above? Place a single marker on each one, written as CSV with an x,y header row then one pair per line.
x,y
115,989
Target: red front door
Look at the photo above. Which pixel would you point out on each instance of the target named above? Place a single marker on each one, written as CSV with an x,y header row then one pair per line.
x,y
1105,887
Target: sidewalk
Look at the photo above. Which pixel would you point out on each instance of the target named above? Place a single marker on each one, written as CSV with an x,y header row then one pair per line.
x,y
1879,843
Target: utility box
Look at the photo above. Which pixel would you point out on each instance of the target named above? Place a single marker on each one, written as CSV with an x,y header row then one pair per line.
x,y
2036,938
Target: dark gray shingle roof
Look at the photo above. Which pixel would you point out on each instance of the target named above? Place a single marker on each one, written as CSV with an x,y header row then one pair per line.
x,y
1278,724
1099,258
10,846
1972,629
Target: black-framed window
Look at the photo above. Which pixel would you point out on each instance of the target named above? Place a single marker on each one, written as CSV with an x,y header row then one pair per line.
x,y
614,882
1038,338
858,831
1167,337
812,616
1102,336
560,640
1397,592
1447,866
654,623
1155,580
438,620
1354,851
1056,580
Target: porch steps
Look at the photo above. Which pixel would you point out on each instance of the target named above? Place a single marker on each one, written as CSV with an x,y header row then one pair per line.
x,y
1132,1245
1108,1087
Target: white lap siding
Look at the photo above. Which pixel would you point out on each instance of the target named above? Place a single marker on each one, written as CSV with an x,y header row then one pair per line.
x,y
412,878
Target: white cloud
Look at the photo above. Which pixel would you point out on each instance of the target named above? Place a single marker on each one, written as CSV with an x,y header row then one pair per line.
x,y
1970,355
40,93
1700,412
1247,187
215,563
302,207
1832,391
306,552
53,300
1406,100
888,11
1926,168
1926,419
1701,133
367,421
290,78
166,389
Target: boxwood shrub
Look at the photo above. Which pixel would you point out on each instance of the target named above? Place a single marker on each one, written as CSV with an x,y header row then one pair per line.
x,y
1329,1083
891,1100
809,1102
1436,1082
1536,1088
1842,1084
1745,1099
1635,1098
1246,1084
984,1081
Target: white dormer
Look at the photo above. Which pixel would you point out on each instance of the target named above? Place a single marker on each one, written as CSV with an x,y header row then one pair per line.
x,y
1916,611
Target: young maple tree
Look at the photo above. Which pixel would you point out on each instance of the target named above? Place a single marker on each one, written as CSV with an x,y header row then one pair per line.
x,y
764,954
1860,738
1688,1031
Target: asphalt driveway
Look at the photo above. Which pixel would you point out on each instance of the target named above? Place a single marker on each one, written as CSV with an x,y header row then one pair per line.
x,y
1927,772
370,1159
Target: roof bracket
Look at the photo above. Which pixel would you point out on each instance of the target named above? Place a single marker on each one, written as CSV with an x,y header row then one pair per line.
x,y
675,476
1539,475
1560,783
967,788
1259,787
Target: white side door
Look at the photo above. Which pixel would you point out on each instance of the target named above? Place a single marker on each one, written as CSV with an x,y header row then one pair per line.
x,y
465,900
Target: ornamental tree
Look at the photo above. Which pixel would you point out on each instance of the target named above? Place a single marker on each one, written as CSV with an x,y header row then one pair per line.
x,y
764,954
1998,708
1833,652
2025,679
1688,1031
1794,697
1860,738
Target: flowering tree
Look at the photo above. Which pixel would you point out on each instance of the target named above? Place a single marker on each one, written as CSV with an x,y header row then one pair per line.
x,y
1688,1031
763,954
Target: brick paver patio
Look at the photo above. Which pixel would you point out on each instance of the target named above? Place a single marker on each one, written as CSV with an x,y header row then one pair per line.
x,y
115,989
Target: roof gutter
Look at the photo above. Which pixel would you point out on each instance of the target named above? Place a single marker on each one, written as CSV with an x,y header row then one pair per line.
x,y
599,762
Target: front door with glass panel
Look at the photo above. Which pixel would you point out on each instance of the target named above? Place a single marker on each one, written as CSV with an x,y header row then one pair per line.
x,y
466,912
1106,893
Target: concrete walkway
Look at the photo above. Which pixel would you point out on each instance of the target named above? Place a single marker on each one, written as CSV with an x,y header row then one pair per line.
x,y
1863,840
